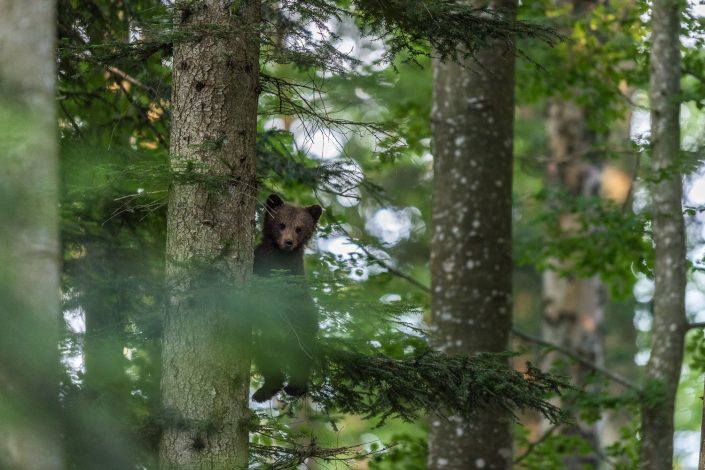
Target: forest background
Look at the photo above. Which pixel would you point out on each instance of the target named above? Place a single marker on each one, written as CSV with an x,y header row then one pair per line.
x,y
349,103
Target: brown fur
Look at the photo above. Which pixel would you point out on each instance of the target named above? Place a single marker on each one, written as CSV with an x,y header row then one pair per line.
x,y
286,231
285,339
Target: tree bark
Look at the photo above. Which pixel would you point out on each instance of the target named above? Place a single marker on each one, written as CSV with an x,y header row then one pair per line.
x,y
669,326
573,307
29,248
471,264
210,236
701,460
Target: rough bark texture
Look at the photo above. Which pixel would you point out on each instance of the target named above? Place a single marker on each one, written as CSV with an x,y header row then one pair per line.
x,y
573,307
29,248
669,326
471,266
210,236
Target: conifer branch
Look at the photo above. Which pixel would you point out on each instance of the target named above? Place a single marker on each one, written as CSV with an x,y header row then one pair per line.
x,y
566,352
526,337
431,382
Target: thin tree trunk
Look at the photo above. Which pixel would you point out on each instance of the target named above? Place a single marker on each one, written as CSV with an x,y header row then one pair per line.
x,y
471,264
210,230
29,248
701,464
573,307
669,326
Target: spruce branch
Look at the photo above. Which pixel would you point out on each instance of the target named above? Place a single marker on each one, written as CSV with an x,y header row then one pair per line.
x,y
577,358
518,333
280,457
453,29
431,382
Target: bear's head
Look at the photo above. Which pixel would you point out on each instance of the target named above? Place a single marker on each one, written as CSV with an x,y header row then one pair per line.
x,y
289,226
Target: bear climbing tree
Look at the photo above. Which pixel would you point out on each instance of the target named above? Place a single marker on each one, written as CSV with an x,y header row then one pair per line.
x,y
285,329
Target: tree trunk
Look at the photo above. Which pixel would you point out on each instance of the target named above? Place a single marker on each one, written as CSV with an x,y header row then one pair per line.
x,y
29,248
210,236
701,461
471,264
669,326
573,307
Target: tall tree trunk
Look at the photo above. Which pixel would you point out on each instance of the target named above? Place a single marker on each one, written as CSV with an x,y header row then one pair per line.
x,y
471,263
669,326
701,460
29,248
210,227
573,307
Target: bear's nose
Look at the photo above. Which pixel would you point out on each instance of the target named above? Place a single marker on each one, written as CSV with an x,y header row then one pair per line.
x,y
289,242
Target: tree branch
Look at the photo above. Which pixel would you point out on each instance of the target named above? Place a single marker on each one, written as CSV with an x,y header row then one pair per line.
x,y
526,337
143,112
567,352
536,443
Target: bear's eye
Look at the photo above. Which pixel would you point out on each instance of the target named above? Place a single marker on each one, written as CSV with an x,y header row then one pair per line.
x,y
298,229
282,226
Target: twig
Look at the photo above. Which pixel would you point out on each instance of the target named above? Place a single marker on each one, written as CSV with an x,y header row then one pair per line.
x,y
632,183
567,352
71,119
536,443
130,78
526,337
143,112
385,265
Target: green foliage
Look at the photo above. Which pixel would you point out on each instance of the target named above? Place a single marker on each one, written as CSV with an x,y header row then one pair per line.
x,y
373,361
695,347
604,51
114,92
453,29
407,452
685,163
550,452
623,454
590,402
600,239
428,381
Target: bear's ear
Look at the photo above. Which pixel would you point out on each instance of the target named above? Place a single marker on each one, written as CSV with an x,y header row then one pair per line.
x,y
273,201
315,212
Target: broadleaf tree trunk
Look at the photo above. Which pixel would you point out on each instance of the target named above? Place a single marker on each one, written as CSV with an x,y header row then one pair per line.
x,y
210,236
701,460
670,324
471,249
29,238
573,307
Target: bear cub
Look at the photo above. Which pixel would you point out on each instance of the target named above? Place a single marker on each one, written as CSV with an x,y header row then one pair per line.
x,y
285,333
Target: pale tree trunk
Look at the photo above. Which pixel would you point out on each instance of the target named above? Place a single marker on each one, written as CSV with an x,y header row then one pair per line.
x,y
573,307
29,248
210,237
669,326
471,263
701,463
